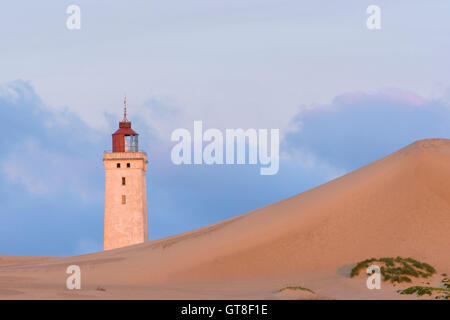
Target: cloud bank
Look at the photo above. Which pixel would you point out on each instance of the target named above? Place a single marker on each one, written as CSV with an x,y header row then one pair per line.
x,y
357,128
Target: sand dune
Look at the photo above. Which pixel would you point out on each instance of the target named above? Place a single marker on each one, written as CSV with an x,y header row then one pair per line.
x,y
396,206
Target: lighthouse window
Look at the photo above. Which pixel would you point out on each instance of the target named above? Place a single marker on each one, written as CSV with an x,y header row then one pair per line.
x,y
118,165
128,165
124,199
123,181
131,143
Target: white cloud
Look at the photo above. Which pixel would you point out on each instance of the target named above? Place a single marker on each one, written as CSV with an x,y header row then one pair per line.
x,y
309,161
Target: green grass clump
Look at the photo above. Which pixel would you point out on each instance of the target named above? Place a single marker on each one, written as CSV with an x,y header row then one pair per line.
x,y
361,265
296,288
388,261
420,291
397,278
446,283
397,269
439,293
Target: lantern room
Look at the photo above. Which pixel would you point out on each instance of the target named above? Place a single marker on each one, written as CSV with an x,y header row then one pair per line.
x,y
125,139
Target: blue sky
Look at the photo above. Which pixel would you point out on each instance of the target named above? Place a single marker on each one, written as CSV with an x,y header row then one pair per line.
x,y
341,95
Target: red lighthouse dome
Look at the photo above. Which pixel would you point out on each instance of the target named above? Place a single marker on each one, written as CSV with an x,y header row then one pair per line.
x,y
125,139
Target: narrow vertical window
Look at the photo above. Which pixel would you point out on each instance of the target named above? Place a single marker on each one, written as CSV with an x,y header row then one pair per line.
x,y
118,165
123,181
124,199
128,165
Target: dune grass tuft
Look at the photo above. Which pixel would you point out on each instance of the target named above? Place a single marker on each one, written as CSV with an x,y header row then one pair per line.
x,y
397,269
446,283
296,288
440,293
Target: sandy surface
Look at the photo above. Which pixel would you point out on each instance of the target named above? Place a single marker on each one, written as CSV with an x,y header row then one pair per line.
x,y
396,206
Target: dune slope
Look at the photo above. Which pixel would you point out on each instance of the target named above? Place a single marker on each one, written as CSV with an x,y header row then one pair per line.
x,y
396,206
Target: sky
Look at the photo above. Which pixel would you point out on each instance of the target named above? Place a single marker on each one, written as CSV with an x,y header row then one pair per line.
x,y
341,95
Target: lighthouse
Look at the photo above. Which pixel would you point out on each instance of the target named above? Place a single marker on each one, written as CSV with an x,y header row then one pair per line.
x,y
125,189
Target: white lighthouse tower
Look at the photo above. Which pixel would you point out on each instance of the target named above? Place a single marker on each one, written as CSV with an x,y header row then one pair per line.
x,y
125,189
